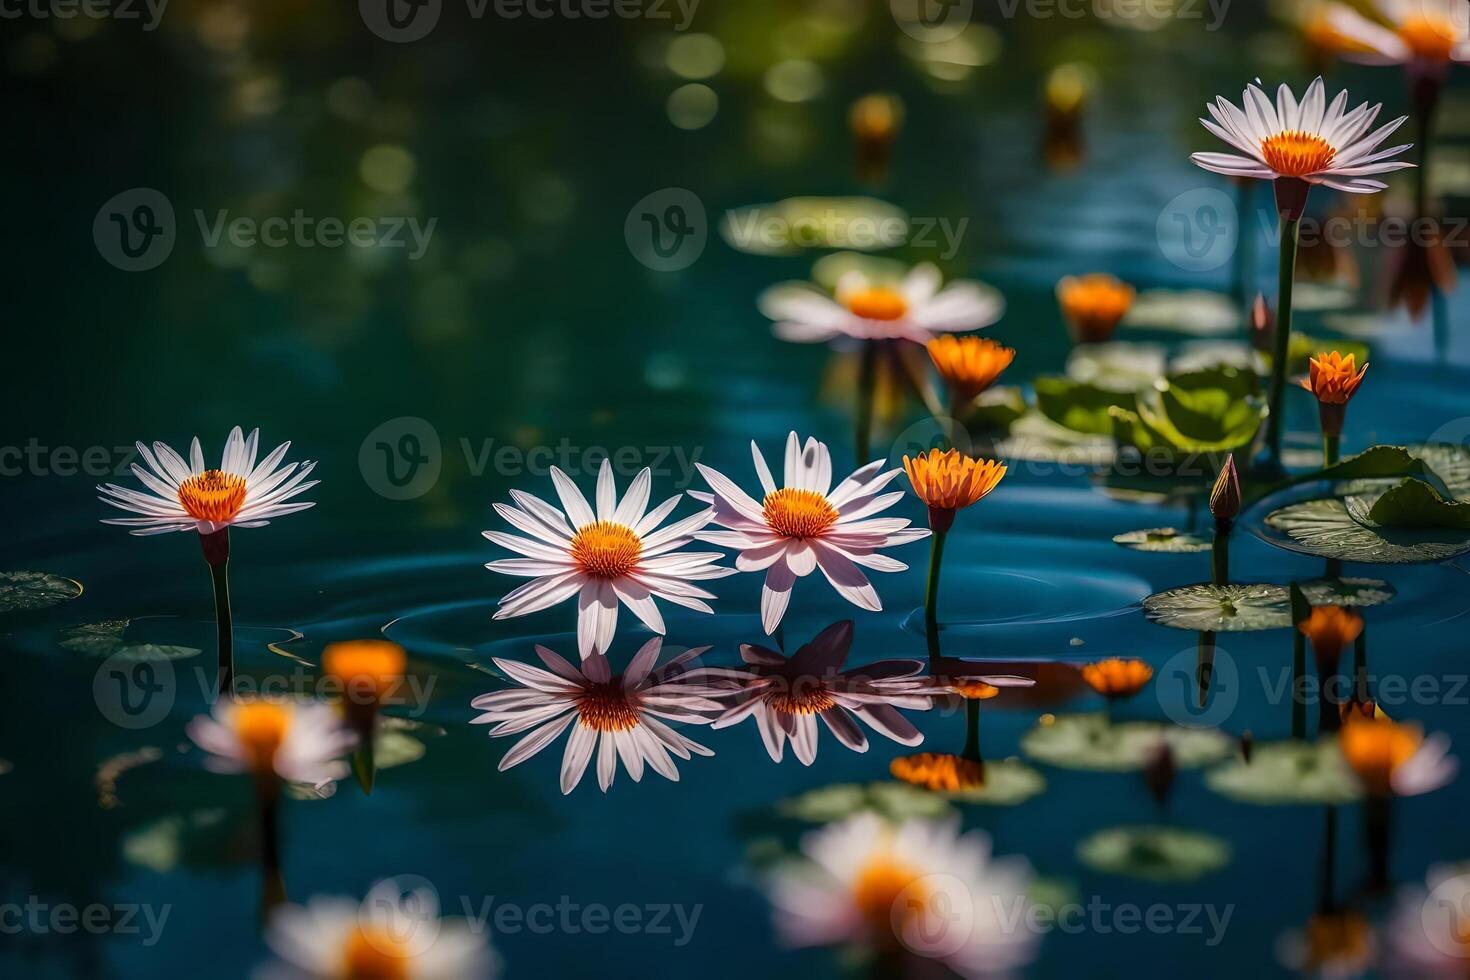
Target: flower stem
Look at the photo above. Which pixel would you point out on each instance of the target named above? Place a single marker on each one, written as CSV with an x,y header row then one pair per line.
x,y
1331,449
1377,817
217,555
1205,665
1275,422
1220,554
931,591
1329,717
867,378
1360,666
972,732
273,885
1298,685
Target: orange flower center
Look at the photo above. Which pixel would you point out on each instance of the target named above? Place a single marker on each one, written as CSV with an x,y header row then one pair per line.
x,y
1093,305
605,708
795,513
261,728
973,690
1429,38
1375,747
1297,154
1117,677
213,495
969,365
951,480
606,550
878,889
373,954
810,701
878,303
938,771
365,666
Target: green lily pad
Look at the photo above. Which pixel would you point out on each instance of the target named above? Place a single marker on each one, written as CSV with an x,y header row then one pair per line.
x,y
21,591
1288,773
1091,742
1326,527
105,639
396,749
1205,355
1217,410
790,226
1164,539
995,410
1319,297
1008,782
1154,853
159,846
894,800
1352,592
1079,406
1116,366
1221,608
1411,504
1038,439
1195,312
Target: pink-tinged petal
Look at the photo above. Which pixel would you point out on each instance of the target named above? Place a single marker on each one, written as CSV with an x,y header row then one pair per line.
x,y
1428,769
859,481
804,739
726,489
801,556
543,512
824,654
764,556
577,755
793,474
771,734
527,718
527,567
637,597
655,517
655,754
867,505
840,723
641,664
535,742
676,534
794,332
527,524
543,593
762,471
630,509
597,617
597,669
921,283
1385,46
607,491
607,761
572,501
759,655
631,753
801,303
535,677
847,578
776,595
961,306
559,666
885,720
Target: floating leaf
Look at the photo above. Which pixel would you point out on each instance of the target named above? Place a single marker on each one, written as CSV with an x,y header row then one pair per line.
x,y
396,749
1211,411
1320,297
1163,539
1079,406
1154,853
1359,592
35,590
995,410
1008,782
1188,311
1200,355
1036,438
788,226
1092,742
1116,366
1221,608
896,801
1413,504
1288,773
105,639
1325,528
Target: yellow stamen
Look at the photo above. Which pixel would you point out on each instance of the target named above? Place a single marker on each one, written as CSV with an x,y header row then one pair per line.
x,y
1375,747
606,550
1334,378
969,365
605,708
1093,305
374,954
372,667
885,892
1297,154
877,303
212,495
948,481
1117,677
938,771
1429,38
808,700
261,728
797,513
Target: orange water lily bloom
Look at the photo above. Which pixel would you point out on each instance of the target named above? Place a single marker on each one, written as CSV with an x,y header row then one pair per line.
x,y
1117,677
949,481
938,771
969,365
368,670
1330,628
1334,378
1396,759
1093,305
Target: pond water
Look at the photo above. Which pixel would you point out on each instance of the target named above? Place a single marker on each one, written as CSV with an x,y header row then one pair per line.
x,y
528,323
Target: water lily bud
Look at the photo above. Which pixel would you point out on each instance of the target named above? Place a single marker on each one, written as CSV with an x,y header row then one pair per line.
x,y
1263,324
1225,497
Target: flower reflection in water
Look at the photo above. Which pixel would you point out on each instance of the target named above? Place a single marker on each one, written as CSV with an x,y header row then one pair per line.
x,y
915,888
787,696
622,716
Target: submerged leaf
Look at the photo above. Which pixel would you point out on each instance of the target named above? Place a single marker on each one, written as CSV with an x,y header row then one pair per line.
x,y
1221,608
1163,539
35,590
1154,853
1092,742
1288,773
